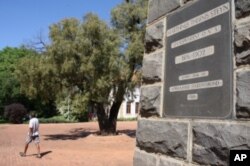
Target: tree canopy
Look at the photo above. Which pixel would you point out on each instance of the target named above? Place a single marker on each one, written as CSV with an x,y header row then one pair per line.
x,y
10,90
80,65
9,86
89,65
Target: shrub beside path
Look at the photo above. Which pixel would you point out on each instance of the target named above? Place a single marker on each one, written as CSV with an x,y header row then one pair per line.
x,y
69,145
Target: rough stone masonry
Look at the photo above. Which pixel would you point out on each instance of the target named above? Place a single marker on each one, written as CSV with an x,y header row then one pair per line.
x,y
163,140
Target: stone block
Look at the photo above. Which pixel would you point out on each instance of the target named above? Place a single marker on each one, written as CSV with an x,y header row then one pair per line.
x,y
168,162
153,13
158,8
144,159
212,142
152,68
243,93
154,37
185,1
166,6
242,43
150,101
242,8
166,137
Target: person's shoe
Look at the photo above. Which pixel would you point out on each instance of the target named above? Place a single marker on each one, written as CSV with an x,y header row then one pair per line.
x,y
22,154
39,156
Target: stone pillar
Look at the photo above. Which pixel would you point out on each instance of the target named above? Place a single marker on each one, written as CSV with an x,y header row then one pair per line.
x,y
170,141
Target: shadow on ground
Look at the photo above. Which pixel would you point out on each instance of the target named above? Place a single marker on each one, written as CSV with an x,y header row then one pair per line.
x,y
72,135
42,154
45,153
79,133
130,133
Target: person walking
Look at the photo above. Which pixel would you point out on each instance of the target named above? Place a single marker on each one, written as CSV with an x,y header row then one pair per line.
x,y
33,135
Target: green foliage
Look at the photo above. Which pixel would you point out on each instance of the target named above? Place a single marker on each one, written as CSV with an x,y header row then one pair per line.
x,y
9,86
37,78
81,65
83,55
11,73
3,121
127,119
15,113
88,65
43,109
74,108
56,119
129,19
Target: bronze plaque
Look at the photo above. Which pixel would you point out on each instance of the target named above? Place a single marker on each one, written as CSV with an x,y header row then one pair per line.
x,y
199,70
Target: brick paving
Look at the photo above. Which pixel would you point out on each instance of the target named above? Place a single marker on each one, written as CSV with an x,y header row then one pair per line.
x,y
68,145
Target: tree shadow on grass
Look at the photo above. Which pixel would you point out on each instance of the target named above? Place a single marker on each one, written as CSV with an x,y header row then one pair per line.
x,y
72,135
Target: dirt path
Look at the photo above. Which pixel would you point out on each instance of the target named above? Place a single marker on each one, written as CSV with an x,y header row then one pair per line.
x,y
69,145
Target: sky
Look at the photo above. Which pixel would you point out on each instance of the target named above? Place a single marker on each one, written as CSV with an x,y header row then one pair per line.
x,y
23,20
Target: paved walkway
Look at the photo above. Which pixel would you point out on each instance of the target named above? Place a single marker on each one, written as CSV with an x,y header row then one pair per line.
x,y
69,145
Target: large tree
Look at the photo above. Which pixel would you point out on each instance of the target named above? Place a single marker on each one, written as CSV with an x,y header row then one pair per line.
x,y
89,64
86,58
129,20
80,65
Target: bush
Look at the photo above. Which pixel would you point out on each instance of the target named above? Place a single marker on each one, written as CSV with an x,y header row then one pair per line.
x,y
127,119
74,109
2,121
56,119
15,113
1,111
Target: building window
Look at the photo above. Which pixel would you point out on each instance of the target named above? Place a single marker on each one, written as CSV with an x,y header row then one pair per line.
x,y
128,111
137,107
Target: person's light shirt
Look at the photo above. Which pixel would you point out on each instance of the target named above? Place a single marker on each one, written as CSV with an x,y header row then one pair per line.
x,y
34,124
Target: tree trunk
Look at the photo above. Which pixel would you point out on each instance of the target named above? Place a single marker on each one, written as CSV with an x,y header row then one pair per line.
x,y
107,124
101,116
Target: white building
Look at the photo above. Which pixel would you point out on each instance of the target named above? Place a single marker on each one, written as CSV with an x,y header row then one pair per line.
x,y
130,106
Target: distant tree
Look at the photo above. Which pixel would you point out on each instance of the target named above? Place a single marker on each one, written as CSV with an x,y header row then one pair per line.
x,y
9,85
10,90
